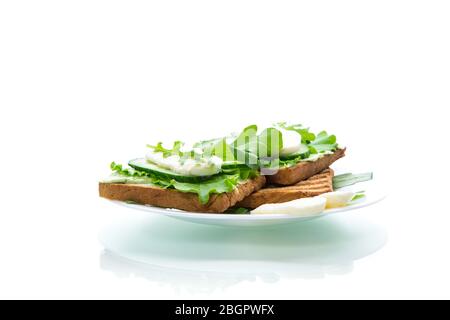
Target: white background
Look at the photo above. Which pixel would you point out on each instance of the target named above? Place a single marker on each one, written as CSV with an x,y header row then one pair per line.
x,y
83,83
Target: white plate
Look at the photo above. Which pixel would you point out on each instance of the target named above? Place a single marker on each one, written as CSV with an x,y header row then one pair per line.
x,y
374,191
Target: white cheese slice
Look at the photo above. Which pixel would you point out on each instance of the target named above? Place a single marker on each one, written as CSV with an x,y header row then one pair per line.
x,y
300,207
291,142
338,199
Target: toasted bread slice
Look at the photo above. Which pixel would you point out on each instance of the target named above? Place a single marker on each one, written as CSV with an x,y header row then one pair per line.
x,y
304,170
170,198
314,186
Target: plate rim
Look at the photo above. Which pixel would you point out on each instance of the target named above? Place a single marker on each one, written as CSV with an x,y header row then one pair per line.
x,y
230,216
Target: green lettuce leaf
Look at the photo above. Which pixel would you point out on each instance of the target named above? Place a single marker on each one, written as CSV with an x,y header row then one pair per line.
x,y
218,184
129,172
127,175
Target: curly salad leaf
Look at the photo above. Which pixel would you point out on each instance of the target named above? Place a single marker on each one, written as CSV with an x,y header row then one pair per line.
x,y
218,184
128,175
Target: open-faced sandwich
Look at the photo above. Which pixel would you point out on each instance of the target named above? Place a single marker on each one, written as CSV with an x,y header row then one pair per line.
x,y
244,171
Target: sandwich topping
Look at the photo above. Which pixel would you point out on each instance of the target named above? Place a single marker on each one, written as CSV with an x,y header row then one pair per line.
x,y
220,165
189,167
292,142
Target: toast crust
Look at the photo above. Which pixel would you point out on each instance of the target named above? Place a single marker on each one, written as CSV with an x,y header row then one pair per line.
x,y
304,170
314,186
170,198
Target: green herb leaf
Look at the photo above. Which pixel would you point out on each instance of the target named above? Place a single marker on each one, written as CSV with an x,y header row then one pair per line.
x,y
167,152
358,196
323,142
307,136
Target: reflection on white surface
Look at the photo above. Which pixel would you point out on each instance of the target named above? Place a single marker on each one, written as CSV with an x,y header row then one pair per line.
x,y
204,258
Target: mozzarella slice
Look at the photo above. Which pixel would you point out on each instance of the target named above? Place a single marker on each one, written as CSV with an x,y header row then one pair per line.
x,y
200,167
291,142
337,199
300,207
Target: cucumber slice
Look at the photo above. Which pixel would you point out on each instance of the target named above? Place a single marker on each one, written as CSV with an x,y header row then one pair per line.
x,y
233,165
142,164
303,153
